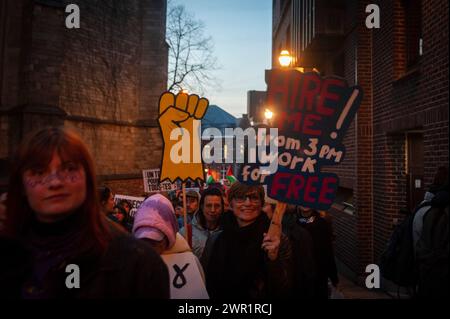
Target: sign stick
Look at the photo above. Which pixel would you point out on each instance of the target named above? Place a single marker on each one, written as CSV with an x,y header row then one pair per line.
x,y
187,228
184,210
275,224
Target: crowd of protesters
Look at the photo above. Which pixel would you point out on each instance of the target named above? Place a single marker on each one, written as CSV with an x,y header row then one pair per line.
x,y
54,215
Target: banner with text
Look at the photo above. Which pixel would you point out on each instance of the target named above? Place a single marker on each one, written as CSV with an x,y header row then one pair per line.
x,y
312,115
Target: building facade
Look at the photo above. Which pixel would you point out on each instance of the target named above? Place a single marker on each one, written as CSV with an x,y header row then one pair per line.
x,y
216,137
102,80
400,134
256,104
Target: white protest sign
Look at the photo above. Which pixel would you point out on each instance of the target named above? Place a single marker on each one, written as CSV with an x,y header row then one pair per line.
x,y
185,279
134,201
152,184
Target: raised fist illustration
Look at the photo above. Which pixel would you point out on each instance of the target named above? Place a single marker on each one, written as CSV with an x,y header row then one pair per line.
x,y
179,121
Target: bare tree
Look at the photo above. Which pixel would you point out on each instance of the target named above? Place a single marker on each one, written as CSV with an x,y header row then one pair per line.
x,y
191,53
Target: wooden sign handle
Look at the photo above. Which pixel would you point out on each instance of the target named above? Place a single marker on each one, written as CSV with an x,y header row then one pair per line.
x,y
275,224
187,228
183,188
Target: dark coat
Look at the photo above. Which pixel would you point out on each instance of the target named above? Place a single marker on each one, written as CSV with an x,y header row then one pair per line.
x,y
322,249
237,267
303,257
128,269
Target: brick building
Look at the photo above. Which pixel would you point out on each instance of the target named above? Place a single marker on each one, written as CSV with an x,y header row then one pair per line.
x,y
256,101
219,120
102,80
400,134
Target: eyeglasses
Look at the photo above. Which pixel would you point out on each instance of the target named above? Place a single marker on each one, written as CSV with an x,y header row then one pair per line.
x,y
69,172
253,198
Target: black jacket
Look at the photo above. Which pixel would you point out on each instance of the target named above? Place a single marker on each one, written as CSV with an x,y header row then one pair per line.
x,y
303,257
128,269
321,246
237,267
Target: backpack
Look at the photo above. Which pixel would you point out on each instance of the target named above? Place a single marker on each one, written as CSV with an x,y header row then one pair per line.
x,y
397,261
432,250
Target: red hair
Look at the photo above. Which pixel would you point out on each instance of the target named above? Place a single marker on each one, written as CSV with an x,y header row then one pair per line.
x,y
37,150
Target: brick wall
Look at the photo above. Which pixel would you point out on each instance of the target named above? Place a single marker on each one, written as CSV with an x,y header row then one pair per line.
x,y
435,85
355,232
100,73
396,100
129,187
363,191
11,28
10,51
404,100
389,186
346,240
44,54
102,80
154,58
121,150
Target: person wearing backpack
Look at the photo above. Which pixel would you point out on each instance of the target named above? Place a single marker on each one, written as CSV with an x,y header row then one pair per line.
x,y
431,241
439,183
399,262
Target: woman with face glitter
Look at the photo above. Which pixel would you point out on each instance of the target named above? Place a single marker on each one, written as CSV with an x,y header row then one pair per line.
x,y
55,236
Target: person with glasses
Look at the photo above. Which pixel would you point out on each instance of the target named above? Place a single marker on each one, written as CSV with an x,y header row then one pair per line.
x,y
55,227
243,261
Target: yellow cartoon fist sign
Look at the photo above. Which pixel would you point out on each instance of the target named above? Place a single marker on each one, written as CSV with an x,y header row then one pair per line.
x,y
179,121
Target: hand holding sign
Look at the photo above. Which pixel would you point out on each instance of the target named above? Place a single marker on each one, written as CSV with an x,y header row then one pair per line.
x,y
179,118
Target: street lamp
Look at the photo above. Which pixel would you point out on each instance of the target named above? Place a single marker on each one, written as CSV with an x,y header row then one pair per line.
x,y
268,114
285,58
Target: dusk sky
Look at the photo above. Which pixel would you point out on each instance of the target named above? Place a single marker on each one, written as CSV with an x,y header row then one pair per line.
x,y
241,30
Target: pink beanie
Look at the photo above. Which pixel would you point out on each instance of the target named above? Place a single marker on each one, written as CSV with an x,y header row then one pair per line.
x,y
154,219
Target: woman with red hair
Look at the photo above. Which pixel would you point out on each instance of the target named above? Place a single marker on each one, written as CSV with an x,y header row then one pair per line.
x,y
54,219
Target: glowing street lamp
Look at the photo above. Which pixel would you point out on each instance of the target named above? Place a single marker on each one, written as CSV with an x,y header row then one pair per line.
x,y
268,114
285,58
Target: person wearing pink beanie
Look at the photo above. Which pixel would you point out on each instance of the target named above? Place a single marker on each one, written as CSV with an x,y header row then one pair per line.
x,y
155,223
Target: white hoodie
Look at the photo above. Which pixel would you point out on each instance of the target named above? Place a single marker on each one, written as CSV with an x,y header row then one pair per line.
x,y
187,279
